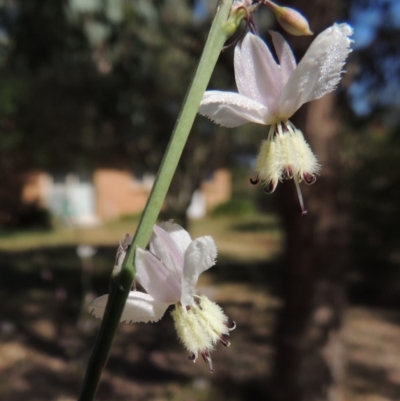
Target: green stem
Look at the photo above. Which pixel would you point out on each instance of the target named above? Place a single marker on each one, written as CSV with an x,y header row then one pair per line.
x,y
121,284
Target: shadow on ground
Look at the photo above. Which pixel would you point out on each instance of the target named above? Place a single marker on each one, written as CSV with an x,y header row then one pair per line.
x,y
46,336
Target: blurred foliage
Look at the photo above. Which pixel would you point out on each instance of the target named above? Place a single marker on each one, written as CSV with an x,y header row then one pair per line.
x,y
371,157
234,207
377,55
100,83
371,150
33,216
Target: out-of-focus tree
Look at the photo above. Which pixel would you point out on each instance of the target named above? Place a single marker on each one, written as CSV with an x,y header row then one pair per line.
x,y
101,85
309,361
371,150
371,154
377,35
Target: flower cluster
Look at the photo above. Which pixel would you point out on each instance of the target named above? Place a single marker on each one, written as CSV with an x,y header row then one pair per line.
x,y
270,93
169,272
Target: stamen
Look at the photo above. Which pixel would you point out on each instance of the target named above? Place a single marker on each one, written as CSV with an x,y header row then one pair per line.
x,y
289,126
225,342
300,196
252,25
255,181
309,178
280,131
272,130
288,172
268,189
207,358
231,325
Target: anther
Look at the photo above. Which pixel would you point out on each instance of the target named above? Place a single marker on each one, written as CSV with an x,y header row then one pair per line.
x,y
255,181
225,342
309,178
270,187
231,325
288,172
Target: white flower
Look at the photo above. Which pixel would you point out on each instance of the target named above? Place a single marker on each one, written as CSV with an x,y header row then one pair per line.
x,y
270,93
169,273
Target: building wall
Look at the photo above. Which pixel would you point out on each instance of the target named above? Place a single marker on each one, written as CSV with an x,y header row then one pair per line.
x,y
118,193
218,189
36,188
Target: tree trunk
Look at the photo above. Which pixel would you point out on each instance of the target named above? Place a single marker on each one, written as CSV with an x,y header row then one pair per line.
x,y
309,360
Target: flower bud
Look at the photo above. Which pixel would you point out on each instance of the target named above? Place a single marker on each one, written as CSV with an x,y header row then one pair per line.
x,y
241,9
289,19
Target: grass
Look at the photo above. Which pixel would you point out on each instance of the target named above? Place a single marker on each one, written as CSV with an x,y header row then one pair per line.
x,y
242,237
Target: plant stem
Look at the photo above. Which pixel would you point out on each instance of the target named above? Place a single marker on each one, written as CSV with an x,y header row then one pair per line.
x,y
121,284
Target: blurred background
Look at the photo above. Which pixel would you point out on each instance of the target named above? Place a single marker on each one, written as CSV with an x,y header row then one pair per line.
x,y
89,94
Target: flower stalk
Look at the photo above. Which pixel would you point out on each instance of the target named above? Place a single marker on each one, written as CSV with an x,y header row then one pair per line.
x,y
121,283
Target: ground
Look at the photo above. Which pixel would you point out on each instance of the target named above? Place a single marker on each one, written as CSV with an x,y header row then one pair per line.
x,y
46,334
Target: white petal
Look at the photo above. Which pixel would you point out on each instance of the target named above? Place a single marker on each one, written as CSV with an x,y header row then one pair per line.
x,y
166,249
320,70
139,307
257,74
285,55
199,257
178,234
159,281
231,109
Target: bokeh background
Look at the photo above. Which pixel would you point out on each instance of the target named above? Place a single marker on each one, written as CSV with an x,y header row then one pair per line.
x,y
89,94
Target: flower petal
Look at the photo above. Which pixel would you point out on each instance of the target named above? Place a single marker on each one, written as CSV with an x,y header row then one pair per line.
x,y
159,281
230,109
166,249
257,74
285,55
180,236
199,257
139,307
320,69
